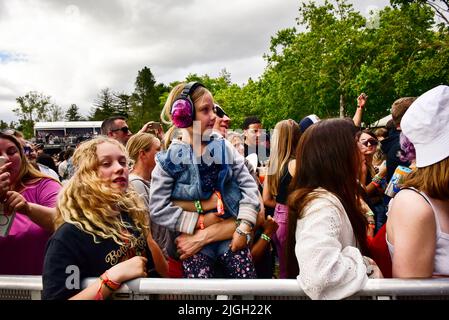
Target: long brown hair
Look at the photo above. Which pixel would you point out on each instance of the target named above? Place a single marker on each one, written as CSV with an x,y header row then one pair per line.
x,y
328,157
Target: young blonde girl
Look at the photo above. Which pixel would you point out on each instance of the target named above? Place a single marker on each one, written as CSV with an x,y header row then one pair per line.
x,y
194,169
280,171
102,227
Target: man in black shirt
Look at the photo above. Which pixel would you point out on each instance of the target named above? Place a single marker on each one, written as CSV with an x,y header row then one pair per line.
x,y
256,140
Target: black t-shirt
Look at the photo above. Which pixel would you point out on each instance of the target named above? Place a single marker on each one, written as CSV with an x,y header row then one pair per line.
x,y
70,249
284,183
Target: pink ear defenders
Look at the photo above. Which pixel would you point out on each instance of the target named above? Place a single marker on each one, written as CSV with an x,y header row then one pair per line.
x,y
182,110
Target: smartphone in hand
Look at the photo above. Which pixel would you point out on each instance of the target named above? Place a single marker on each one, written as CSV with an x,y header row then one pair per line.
x,y
5,220
154,126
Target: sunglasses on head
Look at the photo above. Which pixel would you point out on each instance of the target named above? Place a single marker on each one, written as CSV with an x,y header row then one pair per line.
x,y
371,142
219,111
125,129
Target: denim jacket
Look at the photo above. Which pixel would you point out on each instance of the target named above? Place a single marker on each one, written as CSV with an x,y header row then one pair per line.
x,y
176,177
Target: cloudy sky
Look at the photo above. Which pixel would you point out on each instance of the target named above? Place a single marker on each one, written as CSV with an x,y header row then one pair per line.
x,y
71,50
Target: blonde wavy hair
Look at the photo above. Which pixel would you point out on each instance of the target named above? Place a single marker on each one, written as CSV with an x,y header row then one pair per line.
x,y
92,205
283,147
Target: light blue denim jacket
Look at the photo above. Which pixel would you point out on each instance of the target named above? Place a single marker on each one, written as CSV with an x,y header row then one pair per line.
x,y
176,177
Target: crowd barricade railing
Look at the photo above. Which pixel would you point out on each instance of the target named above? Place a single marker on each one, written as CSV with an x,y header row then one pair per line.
x,y
30,288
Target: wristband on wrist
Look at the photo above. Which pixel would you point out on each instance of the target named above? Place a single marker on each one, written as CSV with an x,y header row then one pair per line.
x,y
110,284
265,237
246,234
198,206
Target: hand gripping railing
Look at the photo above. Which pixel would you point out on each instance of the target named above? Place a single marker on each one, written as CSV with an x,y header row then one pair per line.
x,y
30,287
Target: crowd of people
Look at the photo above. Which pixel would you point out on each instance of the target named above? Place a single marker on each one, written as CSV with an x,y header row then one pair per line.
x,y
323,201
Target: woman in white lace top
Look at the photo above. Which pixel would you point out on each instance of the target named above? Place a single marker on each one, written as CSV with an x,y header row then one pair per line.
x,y
327,230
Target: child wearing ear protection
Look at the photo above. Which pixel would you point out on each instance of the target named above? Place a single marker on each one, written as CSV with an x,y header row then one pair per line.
x,y
194,169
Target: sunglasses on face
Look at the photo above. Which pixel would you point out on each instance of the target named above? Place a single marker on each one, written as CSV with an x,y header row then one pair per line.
x,y
370,142
219,111
124,129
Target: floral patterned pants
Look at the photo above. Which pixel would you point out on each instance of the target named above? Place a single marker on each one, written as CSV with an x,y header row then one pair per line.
x,y
236,265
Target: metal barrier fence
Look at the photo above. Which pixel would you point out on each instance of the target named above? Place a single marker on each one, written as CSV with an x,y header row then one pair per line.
x,y
30,288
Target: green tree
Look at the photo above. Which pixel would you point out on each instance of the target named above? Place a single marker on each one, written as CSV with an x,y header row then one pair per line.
x,y
145,104
334,55
104,105
123,104
222,82
32,107
54,113
440,7
406,57
73,114
3,125
310,71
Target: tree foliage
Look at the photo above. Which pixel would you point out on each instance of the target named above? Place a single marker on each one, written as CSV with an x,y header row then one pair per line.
x,y
334,54
440,7
145,103
72,113
104,105
33,107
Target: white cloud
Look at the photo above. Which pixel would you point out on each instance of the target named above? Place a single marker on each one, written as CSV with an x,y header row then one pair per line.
x,y
70,50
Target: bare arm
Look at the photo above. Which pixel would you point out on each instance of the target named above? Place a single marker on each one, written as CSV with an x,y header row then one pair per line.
x,y
41,215
188,245
160,263
269,228
411,229
207,205
371,188
268,199
123,271
361,101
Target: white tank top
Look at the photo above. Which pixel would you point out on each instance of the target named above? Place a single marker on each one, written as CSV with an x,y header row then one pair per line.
x,y
441,263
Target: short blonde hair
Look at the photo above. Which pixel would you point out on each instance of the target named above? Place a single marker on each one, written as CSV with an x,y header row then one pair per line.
x,y
139,142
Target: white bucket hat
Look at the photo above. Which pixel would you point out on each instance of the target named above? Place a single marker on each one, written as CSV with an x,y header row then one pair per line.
x,y
426,125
